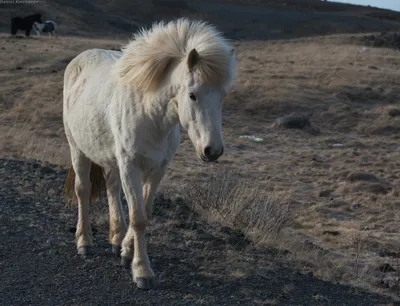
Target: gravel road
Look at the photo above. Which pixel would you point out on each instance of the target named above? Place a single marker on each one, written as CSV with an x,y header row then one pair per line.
x,y
195,264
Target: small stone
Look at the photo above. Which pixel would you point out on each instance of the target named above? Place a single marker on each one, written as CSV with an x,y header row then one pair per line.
x,y
206,236
377,188
51,241
361,176
325,193
292,122
332,233
237,241
296,123
226,230
46,170
394,112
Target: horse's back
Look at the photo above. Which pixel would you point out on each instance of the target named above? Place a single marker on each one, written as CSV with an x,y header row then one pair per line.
x,y
89,67
87,75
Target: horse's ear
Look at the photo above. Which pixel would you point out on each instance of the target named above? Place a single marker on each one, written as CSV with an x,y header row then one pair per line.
x,y
193,59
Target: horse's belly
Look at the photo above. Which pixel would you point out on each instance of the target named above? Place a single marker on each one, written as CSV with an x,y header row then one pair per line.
x,y
92,136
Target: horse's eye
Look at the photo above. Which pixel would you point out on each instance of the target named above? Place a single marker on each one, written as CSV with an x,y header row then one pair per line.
x,y
192,96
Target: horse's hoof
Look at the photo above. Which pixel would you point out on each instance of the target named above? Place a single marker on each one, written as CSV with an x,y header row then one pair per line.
x,y
116,249
145,283
85,250
126,262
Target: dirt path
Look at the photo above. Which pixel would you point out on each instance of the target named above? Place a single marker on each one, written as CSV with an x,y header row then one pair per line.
x,y
195,264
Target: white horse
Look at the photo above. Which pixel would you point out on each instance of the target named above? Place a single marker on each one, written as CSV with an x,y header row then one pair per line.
x,y
47,27
121,116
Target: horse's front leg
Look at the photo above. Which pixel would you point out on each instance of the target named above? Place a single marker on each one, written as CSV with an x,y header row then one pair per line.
x,y
131,178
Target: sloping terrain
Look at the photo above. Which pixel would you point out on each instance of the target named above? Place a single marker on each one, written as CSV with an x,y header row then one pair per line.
x,y
238,19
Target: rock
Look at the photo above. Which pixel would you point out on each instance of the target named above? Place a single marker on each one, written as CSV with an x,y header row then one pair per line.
x,y
290,122
237,242
394,112
332,233
361,176
206,237
47,170
51,241
226,230
376,188
373,67
325,193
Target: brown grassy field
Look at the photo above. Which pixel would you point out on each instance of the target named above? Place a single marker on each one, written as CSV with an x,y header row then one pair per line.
x,y
339,187
342,184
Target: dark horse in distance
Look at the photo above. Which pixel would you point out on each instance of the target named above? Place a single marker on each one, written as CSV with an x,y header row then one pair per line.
x,y
24,24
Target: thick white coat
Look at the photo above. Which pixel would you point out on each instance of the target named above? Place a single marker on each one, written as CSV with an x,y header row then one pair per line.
x,y
123,110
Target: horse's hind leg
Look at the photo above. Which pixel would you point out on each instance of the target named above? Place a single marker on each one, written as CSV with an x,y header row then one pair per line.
x,y
117,220
81,165
150,186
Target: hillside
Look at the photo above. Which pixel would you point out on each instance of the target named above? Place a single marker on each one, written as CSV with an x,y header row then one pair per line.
x,y
249,20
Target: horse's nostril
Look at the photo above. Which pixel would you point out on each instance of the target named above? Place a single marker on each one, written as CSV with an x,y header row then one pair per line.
x,y
207,151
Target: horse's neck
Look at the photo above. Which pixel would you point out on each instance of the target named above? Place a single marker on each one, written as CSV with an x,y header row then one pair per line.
x,y
162,114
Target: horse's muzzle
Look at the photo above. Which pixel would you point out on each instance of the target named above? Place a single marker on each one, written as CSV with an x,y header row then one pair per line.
x,y
211,155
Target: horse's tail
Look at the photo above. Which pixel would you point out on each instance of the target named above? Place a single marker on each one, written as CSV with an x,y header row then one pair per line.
x,y
97,185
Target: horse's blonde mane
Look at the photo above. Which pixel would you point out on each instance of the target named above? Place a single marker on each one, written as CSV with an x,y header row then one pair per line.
x,y
148,56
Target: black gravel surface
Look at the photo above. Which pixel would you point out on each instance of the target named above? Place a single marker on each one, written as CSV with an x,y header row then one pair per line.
x,y
194,263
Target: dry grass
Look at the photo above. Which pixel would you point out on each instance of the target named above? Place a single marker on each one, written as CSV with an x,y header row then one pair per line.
x,y
229,198
338,225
